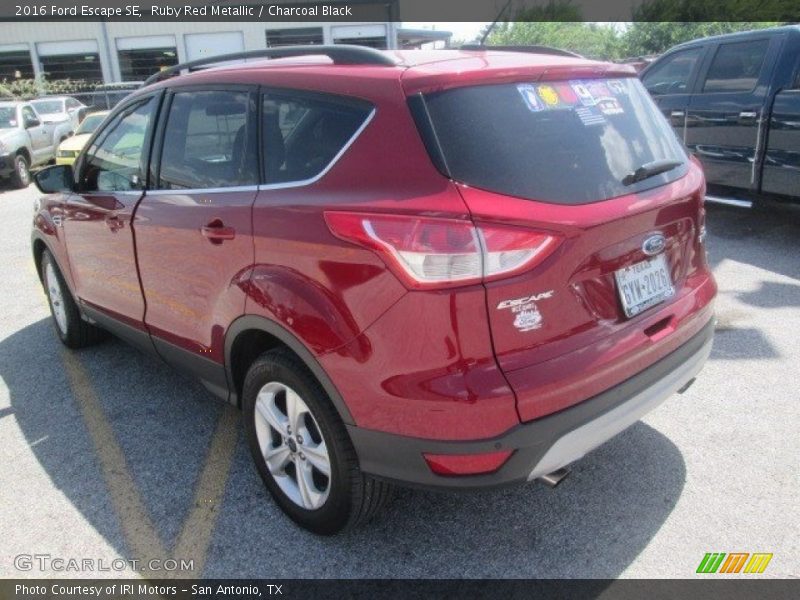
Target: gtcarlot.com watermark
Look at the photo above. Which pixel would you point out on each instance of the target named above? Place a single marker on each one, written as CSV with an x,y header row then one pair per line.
x,y
71,564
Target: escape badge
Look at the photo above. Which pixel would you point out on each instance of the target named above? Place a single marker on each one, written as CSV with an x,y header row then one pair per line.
x,y
526,313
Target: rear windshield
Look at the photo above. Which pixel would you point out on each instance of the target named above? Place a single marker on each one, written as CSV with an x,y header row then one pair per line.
x,y
566,142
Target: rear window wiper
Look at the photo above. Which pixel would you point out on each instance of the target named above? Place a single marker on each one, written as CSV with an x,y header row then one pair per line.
x,y
650,169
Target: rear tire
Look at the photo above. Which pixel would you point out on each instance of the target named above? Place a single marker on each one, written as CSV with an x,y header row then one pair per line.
x,y
299,439
71,329
21,177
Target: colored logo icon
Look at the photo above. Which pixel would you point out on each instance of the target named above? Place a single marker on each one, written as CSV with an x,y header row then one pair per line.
x,y
735,562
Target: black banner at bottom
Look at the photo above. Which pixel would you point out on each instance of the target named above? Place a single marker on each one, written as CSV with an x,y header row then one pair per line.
x,y
733,588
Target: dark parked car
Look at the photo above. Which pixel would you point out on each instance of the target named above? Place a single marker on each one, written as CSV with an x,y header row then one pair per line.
x,y
451,269
735,101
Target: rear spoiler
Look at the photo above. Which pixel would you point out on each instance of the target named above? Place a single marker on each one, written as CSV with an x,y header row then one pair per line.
x,y
532,49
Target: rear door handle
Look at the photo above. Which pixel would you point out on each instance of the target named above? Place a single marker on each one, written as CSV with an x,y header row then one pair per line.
x,y
677,114
748,115
216,232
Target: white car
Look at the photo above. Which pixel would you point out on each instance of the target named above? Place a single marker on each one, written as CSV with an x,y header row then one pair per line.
x,y
57,109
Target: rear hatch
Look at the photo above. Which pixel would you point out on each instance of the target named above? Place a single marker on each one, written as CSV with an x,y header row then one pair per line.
x,y
592,163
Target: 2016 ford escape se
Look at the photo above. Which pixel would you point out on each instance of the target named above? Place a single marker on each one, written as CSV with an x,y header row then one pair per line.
x,y
453,269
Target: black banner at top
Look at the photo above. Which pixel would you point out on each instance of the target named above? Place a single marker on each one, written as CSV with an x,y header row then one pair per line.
x,y
402,10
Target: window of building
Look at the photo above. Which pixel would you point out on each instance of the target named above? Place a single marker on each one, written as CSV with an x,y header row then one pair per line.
x,y
736,67
85,66
370,42
207,45
372,36
209,142
302,134
671,76
139,64
15,64
301,36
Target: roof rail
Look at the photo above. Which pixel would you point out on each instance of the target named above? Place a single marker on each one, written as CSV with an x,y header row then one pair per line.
x,y
530,49
340,54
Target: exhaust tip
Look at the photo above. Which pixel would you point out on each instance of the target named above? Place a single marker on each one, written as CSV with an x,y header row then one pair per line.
x,y
553,479
686,385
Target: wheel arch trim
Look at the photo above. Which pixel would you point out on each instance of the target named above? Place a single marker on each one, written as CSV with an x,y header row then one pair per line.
x,y
259,323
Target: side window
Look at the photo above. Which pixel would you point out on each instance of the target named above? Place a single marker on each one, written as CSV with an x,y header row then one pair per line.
x,y
28,115
72,103
671,76
115,161
209,141
736,67
302,134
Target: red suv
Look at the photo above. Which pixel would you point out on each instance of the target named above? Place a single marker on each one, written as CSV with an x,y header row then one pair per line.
x,y
454,269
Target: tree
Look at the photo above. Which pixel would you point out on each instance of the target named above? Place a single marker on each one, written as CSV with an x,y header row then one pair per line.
x,y
588,39
643,38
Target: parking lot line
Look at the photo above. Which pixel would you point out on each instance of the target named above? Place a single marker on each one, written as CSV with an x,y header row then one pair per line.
x,y
195,535
142,538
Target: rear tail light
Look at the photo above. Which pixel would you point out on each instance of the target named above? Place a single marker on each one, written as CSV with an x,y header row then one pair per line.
x,y
430,252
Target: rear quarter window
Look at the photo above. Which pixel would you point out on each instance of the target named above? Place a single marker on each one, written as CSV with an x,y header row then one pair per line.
x,y
736,67
566,142
304,133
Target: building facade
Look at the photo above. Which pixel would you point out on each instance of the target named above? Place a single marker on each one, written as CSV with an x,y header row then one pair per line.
x,y
107,52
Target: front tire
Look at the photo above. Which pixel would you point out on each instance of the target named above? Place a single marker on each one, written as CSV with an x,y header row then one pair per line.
x,y
21,177
71,329
302,450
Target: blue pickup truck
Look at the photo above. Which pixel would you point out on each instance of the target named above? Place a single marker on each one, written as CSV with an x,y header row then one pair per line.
x,y
735,102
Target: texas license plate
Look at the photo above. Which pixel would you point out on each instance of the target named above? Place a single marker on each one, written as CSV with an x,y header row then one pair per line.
x,y
644,284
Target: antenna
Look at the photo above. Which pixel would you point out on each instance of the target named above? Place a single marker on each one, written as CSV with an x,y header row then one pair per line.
x,y
494,24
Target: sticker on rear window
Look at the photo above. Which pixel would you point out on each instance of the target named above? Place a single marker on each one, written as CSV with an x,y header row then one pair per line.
x,y
583,93
590,115
610,106
549,95
566,93
528,93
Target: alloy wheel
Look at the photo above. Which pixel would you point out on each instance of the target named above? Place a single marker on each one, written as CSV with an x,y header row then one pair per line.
x,y
56,297
292,445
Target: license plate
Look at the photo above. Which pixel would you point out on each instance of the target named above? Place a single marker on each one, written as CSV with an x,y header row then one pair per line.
x,y
644,284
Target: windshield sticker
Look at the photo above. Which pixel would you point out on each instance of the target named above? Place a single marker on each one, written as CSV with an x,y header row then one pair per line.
x,y
590,115
13,122
528,94
583,93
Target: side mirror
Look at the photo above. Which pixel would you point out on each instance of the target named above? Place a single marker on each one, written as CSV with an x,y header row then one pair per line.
x,y
32,123
52,180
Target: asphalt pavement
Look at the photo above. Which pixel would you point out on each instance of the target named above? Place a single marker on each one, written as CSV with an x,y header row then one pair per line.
x,y
108,455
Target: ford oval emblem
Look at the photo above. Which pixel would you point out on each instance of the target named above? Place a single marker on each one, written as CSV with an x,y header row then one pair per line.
x,y
654,244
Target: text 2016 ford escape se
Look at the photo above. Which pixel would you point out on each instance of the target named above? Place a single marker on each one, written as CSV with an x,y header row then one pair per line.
x,y
453,269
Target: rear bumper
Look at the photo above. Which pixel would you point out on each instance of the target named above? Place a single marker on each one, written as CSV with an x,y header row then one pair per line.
x,y
544,445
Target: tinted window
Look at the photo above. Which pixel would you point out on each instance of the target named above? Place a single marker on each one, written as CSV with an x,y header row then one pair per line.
x,y
671,76
115,161
90,123
8,117
28,116
736,67
303,134
564,142
209,141
48,107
